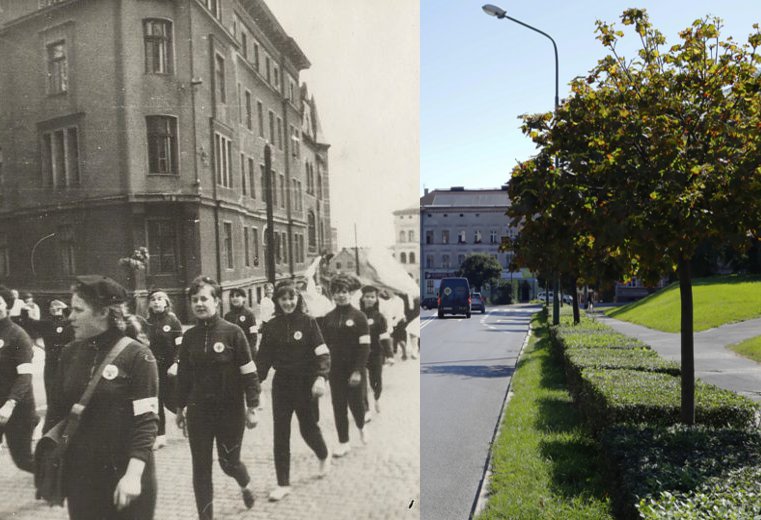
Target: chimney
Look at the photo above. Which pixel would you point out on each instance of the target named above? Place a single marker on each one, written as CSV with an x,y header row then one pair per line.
x,y
457,188
425,191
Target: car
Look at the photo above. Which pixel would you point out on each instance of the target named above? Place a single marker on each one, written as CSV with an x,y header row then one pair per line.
x,y
541,295
477,303
454,297
567,299
429,303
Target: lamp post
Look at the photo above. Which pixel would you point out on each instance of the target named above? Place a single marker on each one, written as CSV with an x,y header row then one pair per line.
x,y
499,13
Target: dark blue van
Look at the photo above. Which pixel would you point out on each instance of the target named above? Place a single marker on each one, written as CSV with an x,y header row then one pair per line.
x,y
454,297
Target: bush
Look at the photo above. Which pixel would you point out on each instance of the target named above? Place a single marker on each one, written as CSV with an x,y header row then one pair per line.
x,y
684,472
609,397
598,340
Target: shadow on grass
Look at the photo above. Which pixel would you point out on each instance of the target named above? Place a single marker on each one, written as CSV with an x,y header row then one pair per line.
x,y
576,467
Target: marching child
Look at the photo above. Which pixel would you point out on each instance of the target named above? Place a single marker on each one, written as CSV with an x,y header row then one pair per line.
x,y
380,342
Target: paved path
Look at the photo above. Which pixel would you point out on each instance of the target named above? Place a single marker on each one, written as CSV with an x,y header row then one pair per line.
x,y
378,481
714,362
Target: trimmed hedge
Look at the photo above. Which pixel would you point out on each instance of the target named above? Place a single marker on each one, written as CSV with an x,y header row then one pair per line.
x,y
684,472
597,340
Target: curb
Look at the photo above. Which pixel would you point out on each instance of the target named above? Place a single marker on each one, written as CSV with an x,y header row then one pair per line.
x,y
482,494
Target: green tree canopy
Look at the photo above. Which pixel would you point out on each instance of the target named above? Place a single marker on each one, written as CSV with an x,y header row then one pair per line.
x,y
480,268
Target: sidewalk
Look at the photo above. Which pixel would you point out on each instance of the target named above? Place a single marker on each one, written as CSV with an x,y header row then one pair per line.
x,y
376,481
714,363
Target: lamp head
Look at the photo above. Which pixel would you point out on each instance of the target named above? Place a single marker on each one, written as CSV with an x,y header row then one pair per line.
x,y
493,10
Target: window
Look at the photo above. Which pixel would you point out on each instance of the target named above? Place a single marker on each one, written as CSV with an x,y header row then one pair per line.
x,y
291,90
249,110
429,287
246,257
251,178
412,257
445,236
312,230
477,236
240,106
256,55
279,133
278,258
60,157
162,243
445,261
410,236
58,70
429,261
272,128
267,68
227,244
244,43
162,144
223,160
319,185
5,269
260,117
273,187
295,142
276,76
215,6
429,237
262,183
243,173
282,190
255,242
461,237
403,257
284,242
158,47
460,259
493,236
66,249
402,236
219,78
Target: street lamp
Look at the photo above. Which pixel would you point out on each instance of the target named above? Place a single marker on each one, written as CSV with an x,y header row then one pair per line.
x,y
499,13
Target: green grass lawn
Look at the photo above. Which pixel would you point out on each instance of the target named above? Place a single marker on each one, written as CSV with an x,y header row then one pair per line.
x,y
750,348
545,464
717,300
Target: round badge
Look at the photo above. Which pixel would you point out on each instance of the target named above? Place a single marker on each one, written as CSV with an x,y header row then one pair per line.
x,y
2,343
297,335
447,290
110,372
166,328
59,330
349,323
242,318
370,321
219,347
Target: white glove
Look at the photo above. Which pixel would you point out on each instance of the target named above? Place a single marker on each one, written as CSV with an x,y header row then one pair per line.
x,y
318,388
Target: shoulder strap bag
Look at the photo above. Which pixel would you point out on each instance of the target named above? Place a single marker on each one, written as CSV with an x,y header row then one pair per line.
x,y
50,449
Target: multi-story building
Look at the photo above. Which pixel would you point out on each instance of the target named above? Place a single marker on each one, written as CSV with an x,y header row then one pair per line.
x,y
406,248
144,123
458,222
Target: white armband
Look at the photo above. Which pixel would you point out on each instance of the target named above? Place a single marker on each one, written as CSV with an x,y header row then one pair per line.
x,y
364,339
248,368
253,329
321,350
178,340
147,405
24,368
385,335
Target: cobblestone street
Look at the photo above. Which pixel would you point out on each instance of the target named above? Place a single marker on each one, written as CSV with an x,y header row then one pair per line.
x,y
374,481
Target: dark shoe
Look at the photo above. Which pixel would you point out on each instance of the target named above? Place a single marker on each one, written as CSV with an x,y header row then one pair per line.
x,y
248,497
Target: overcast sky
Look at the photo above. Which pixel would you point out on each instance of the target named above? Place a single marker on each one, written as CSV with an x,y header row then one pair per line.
x,y
365,80
478,73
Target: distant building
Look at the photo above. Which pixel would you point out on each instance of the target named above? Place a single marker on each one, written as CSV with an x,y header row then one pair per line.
x,y
406,248
129,124
458,222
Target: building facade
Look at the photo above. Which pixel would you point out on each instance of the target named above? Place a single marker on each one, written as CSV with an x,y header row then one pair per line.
x,y
458,222
406,248
144,123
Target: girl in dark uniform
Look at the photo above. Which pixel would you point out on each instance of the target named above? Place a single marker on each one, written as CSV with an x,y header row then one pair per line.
x,y
109,470
243,317
217,382
17,411
347,336
292,344
380,342
165,335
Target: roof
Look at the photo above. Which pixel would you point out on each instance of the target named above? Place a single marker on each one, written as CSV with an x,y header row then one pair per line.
x,y
407,211
488,198
275,32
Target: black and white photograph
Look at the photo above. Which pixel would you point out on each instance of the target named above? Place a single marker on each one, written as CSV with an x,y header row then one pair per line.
x,y
209,259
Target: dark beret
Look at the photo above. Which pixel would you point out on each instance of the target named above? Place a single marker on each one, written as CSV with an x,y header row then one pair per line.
x,y
102,289
344,281
369,289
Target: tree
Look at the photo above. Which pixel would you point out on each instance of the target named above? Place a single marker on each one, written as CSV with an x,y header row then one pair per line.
x,y
480,268
666,150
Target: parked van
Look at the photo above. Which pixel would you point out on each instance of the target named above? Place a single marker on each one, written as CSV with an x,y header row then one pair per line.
x,y
454,297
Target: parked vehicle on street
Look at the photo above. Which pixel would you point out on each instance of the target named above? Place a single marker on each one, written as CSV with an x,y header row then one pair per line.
x,y
541,295
429,303
567,299
477,303
454,297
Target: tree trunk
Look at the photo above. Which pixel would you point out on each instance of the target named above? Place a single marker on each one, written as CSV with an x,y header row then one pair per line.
x,y
688,342
575,300
556,302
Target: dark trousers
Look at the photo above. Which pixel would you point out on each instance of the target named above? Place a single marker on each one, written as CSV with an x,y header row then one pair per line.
x,y
50,372
225,423
375,373
344,396
18,432
90,486
164,388
289,395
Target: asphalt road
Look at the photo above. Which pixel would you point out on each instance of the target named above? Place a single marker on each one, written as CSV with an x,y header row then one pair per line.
x,y
465,369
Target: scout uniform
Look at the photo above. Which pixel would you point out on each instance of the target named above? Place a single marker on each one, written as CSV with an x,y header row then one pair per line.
x,y
16,384
165,336
214,375
292,344
347,336
380,348
244,318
